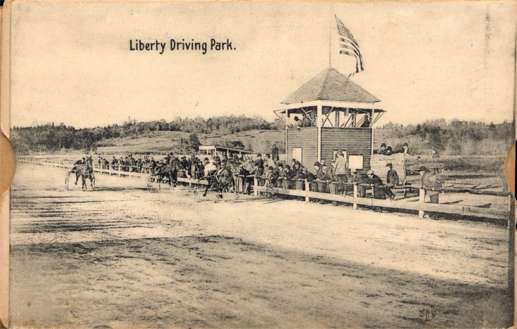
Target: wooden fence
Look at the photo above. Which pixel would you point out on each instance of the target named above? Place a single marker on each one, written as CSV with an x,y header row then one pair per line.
x,y
419,206
354,199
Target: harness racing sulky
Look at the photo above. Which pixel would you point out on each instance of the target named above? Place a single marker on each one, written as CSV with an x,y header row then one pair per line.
x,y
82,169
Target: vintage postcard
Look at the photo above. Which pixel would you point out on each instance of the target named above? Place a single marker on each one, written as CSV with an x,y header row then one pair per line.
x,y
259,164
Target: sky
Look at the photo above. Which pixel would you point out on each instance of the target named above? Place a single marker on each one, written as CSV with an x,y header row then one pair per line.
x,y
71,61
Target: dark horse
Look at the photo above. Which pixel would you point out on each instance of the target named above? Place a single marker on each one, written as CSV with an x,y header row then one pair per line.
x,y
221,181
84,171
166,173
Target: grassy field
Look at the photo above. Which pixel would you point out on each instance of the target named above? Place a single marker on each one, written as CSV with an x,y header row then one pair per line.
x,y
165,141
260,141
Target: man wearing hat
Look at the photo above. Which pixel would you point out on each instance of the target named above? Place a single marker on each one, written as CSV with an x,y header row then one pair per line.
x,y
317,167
324,175
431,183
328,171
392,177
321,173
373,179
379,191
209,167
259,165
317,174
341,167
275,152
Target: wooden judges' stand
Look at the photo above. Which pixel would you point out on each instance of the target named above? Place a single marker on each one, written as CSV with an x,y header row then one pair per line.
x,y
327,114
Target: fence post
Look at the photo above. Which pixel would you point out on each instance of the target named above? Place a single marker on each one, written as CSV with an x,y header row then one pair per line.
x,y
421,201
307,188
255,186
354,205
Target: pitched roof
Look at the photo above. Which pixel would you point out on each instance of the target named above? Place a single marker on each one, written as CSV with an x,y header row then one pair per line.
x,y
330,85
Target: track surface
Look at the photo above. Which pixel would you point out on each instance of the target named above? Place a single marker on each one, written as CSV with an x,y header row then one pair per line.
x,y
124,257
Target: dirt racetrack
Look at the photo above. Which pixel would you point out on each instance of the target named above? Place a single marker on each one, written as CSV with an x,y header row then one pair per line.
x,y
124,257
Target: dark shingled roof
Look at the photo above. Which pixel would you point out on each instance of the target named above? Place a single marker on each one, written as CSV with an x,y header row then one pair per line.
x,y
330,85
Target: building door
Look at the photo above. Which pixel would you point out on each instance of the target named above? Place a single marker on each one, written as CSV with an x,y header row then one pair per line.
x,y
297,153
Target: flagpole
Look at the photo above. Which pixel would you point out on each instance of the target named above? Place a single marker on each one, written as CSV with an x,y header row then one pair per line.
x,y
330,41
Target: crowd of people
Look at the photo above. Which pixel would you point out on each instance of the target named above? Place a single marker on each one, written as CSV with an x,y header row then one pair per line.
x,y
325,176
385,149
129,163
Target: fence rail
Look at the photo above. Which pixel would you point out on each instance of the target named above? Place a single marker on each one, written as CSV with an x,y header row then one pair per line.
x,y
110,172
418,205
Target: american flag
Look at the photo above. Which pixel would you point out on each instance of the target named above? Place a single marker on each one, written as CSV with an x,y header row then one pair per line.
x,y
348,45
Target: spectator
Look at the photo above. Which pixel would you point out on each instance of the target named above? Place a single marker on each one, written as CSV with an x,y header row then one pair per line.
x,y
366,123
306,174
259,166
381,149
269,162
297,122
248,171
392,177
270,178
306,121
296,167
318,170
275,152
388,151
373,179
405,148
361,179
283,176
209,167
341,167
379,191
431,183
328,171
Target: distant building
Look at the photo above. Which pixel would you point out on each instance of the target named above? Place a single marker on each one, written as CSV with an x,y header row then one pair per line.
x,y
221,151
327,114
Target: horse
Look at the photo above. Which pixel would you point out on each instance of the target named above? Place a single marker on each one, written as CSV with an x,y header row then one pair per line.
x,y
159,174
221,181
74,170
85,172
165,173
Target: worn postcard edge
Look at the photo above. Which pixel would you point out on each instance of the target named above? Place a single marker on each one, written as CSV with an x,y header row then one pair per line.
x,y
8,163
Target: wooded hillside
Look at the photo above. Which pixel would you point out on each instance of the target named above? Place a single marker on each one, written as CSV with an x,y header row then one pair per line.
x,y
453,138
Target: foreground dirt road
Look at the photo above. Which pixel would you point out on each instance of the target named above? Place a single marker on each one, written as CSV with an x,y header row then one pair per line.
x,y
124,257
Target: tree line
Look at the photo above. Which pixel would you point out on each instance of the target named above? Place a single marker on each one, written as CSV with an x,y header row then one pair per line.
x,y
450,137
456,137
52,137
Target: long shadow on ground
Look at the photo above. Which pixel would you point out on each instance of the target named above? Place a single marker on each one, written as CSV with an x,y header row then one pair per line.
x,y
222,281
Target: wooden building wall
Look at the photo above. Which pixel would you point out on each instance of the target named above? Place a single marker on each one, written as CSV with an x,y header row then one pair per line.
x,y
307,139
356,141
